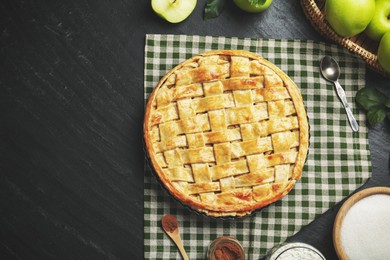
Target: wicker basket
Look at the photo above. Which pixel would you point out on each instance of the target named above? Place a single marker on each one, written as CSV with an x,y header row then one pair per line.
x,y
359,44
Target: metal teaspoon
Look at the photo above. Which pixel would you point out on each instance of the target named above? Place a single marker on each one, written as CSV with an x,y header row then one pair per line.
x,y
330,70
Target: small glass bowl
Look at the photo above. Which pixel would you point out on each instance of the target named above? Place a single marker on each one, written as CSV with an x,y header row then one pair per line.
x,y
221,240
294,251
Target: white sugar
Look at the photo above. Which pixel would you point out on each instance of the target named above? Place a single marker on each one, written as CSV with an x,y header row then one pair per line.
x,y
365,230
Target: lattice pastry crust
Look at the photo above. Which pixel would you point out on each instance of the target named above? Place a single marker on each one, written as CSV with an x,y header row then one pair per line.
x,y
226,132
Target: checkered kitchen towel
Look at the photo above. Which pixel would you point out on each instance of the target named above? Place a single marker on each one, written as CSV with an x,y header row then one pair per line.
x,y
338,160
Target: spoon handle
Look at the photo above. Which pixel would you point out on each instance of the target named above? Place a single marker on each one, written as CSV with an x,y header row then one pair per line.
x,y
343,98
176,238
181,249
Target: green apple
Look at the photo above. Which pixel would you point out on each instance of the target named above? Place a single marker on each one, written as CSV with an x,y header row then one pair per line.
x,y
380,23
384,51
253,6
349,17
174,11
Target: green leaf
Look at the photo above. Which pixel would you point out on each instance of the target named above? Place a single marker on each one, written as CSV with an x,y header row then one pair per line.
x,y
388,103
376,114
370,97
213,8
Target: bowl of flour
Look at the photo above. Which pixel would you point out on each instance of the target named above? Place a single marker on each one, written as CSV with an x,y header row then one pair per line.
x,y
362,226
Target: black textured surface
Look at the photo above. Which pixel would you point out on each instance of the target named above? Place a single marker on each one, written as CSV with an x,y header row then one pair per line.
x,y
71,111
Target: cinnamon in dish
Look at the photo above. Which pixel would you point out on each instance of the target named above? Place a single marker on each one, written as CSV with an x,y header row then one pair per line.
x,y
227,251
225,248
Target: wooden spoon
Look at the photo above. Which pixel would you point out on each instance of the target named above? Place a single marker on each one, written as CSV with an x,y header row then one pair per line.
x,y
171,227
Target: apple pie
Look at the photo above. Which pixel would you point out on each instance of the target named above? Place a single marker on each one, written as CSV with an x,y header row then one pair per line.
x,y
226,132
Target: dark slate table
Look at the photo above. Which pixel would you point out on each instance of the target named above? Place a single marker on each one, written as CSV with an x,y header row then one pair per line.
x,y
71,111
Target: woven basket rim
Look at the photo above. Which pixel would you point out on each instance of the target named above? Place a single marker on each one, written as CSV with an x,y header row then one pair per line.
x,y
318,21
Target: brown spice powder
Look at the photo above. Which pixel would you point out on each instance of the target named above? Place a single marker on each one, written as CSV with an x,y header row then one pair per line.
x,y
227,251
169,223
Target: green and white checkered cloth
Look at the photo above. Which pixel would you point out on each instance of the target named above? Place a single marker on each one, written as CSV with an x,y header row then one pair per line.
x,y
338,160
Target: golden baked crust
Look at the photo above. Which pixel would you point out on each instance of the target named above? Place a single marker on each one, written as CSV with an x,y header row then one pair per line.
x,y
226,132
